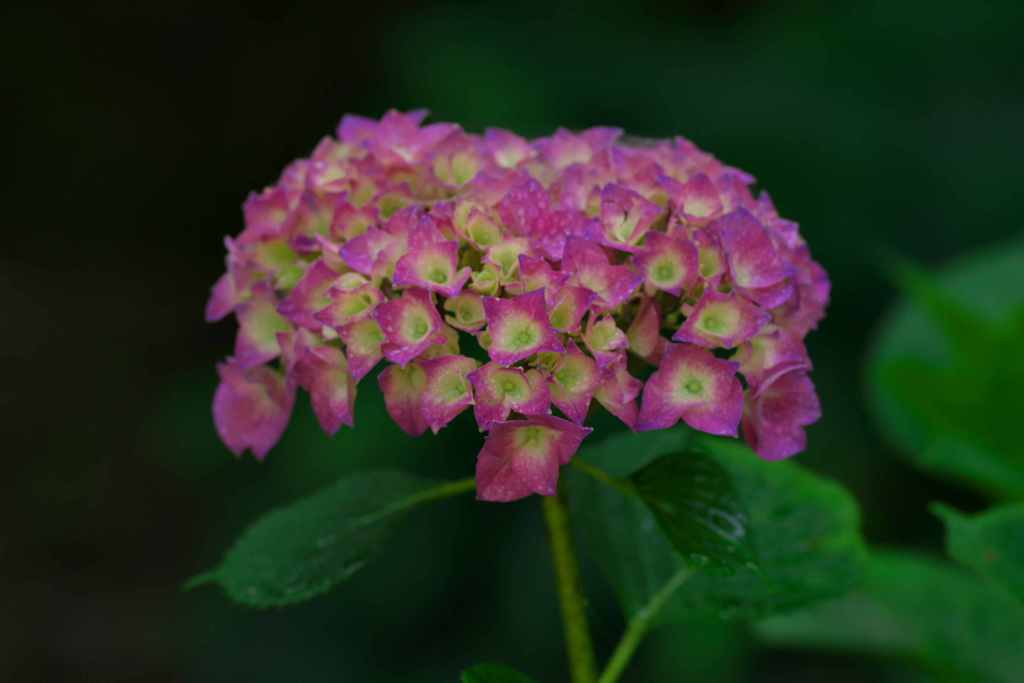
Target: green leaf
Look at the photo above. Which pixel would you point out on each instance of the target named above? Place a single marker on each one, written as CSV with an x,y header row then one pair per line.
x,y
694,501
493,673
917,608
991,543
946,365
803,530
297,552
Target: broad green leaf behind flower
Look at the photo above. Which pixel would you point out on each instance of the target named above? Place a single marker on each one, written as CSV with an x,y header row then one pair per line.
x,y
946,373
803,531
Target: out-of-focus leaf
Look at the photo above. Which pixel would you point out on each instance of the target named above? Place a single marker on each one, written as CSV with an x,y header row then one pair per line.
x,y
494,673
804,532
916,608
297,552
946,369
992,543
694,501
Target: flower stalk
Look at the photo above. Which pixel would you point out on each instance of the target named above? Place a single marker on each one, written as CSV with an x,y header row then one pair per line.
x,y
579,649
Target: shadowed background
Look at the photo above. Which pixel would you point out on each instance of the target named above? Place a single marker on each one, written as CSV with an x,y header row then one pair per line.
x,y
138,130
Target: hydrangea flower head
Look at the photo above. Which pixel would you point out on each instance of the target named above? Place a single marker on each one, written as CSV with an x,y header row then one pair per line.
x,y
645,279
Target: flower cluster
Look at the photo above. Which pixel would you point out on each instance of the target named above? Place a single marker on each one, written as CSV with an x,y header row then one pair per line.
x,y
580,263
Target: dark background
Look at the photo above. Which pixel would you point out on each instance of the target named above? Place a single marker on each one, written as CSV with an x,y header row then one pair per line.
x,y
138,130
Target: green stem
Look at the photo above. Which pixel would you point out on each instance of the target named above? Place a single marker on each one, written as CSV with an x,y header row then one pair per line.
x,y
577,633
638,627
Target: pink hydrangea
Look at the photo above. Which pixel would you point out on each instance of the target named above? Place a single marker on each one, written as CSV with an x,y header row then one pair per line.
x,y
645,279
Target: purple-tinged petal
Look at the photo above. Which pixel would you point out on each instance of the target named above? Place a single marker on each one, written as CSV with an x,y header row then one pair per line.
x,y
772,296
448,391
251,408
351,301
476,226
710,257
265,215
604,340
722,320
519,328
363,340
411,324
522,457
403,396
617,393
498,391
363,252
258,326
777,413
449,347
806,307
323,372
277,258
668,263
589,267
351,221
537,273
625,217
506,148
771,354
223,298
432,267
692,385
751,256
523,207
467,312
312,216
309,296
573,382
698,199
644,333
568,306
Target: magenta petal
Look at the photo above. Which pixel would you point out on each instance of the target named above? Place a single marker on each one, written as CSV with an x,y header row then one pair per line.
x,y
771,354
605,340
692,385
519,327
363,340
432,266
644,333
752,258
259,323
411,324
574,379
403,396
625,217
589,267
251,408
617,393
223,298
668,263
498,391
323,372
722,320
522,457
309,296
777,413
448,391
361,254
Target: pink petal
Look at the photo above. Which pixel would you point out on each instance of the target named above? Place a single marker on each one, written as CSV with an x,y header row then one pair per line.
x,y
722,320
522,457
448,391
403,390
411,324
777,413
251,408
519,328
692,385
